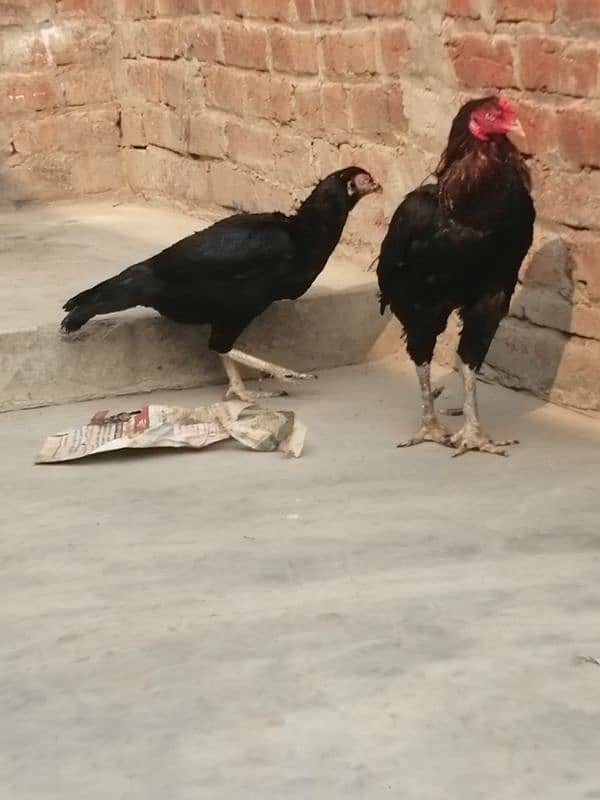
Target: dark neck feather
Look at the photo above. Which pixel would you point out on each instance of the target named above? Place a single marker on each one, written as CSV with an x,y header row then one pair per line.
x,y
470,175
319,223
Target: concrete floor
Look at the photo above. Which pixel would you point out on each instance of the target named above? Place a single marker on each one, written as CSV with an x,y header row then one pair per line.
x,y
364,622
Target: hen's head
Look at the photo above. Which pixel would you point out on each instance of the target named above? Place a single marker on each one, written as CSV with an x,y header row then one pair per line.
x,y
348,185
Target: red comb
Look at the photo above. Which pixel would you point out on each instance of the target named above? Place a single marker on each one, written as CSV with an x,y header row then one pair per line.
x,y
505,104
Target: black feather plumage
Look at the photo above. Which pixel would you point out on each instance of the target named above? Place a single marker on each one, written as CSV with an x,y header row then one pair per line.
x,y
229,273
458,244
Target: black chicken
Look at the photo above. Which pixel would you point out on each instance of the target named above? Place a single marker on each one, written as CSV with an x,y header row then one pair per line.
x,y
459,244
229,273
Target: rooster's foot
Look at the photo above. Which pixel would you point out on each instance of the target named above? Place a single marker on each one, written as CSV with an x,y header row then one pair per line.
x,y
430,431
470,438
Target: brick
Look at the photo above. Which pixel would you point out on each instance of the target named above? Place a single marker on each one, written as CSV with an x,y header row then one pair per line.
x,y
335,107
581,10
548,264
207,136
376,108
24,12
165,128
268,9
101,8
233,187
326,157
173,77
244,46
349,53
269,96
230,186
176,8
293,51
566,197
293,160
86,85
585,252
579,136
250,145
320,10
132,128
69,132
96,172
377,8
225,89
161,38
64,48
394,47
539,124
199,39
142,79
27,92
20,49
309,107
461,8
533,10
480,60
227,8
156,172
557,65
136,9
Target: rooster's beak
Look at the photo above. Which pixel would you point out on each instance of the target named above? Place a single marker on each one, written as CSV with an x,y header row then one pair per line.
x,y
517,128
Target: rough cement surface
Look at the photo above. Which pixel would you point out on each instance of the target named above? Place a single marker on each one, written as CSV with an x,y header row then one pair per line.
x,y
50,252
364,622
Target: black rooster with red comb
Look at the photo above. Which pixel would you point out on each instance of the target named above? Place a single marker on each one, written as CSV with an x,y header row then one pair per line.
x,y
458,244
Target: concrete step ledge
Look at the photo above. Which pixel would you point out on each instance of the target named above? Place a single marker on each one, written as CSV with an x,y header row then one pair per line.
x,y
138,352
49,252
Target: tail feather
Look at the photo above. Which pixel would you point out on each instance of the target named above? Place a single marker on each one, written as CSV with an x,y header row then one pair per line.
x,y
127,289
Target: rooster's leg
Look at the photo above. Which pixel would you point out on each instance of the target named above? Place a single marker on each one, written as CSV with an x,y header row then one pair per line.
x,y
431,429
470,436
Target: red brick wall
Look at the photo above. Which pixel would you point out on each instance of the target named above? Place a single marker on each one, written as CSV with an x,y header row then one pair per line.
x,y
248,103
59,120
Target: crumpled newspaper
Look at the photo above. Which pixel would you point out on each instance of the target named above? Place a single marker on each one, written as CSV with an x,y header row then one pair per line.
x,y
171,426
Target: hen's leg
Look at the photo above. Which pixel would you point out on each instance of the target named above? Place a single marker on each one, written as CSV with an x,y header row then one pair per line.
x,y
237,388
479,327
272,370
236,384
431,429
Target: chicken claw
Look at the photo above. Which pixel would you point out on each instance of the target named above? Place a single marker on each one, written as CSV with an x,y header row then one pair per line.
x,y
432,431
250,395
469,438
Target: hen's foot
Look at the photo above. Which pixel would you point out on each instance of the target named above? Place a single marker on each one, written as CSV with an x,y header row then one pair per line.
x,y
288,375
266,367
469,438
432,431
250,395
